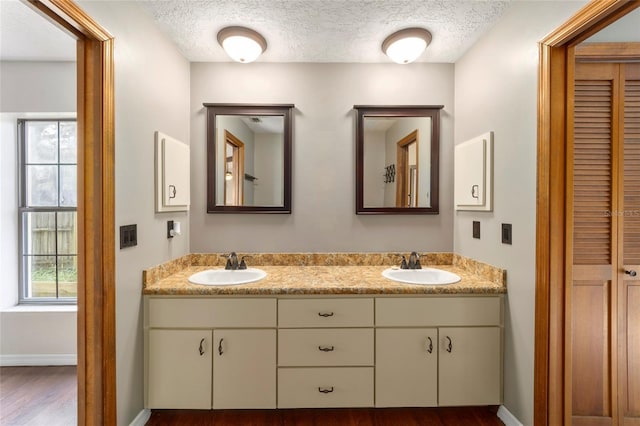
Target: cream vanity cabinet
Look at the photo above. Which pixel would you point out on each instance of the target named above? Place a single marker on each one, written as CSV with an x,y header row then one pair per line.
x,y
323,351
205,353
438,351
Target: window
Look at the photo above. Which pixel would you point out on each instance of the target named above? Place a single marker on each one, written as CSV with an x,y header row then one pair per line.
x,y
48,211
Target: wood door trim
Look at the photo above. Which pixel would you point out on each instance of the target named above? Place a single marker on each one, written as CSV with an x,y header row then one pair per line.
x,y
606,52
236,142
550,210
96,210
402,159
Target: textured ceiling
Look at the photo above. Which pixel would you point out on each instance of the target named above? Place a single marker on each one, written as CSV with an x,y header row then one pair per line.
x,y
295,30
325,30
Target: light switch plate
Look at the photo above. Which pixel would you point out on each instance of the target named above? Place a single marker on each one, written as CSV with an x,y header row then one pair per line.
x,y
476,229
507,234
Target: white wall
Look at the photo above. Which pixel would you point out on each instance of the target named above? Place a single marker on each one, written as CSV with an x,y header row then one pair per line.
x,y
151,93
29,90
624,29
45,86
323,216
496,89
268,167
374,158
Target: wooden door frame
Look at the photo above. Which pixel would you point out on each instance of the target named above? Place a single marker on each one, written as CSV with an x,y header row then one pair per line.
x,y
402,159
230,138
96,210
551,241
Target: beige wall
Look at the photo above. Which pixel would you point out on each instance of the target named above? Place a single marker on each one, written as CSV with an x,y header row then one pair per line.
x,y
496,89
323,217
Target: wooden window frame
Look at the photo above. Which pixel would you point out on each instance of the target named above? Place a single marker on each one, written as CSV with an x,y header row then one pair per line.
x,y
96,210
555,68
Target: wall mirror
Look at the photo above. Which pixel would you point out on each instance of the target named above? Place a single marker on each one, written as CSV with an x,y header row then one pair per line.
x,y
397,151
249,158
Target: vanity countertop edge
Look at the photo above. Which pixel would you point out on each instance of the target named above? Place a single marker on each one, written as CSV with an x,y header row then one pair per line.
x,y
322,273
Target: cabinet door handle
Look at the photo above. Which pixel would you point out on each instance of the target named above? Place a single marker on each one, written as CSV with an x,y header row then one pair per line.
x,y
172,191
630,272
326,348
325,314
325,390
449,345
201,347
474,191
430,347
220,347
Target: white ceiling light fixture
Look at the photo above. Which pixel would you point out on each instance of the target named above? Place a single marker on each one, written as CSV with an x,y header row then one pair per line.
x,y
242,44
405,46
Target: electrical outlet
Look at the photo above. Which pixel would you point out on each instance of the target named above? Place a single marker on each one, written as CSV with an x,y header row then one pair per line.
x,y
128,236
507,234
476,229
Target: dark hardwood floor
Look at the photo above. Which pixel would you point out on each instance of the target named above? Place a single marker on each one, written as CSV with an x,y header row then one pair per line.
x,y
34,396
458,416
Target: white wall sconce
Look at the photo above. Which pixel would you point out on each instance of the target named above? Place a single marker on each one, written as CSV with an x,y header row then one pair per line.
x,y
242,44
405,46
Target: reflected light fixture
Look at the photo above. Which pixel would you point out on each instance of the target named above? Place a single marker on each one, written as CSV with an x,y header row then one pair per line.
x,y
406,45
242,44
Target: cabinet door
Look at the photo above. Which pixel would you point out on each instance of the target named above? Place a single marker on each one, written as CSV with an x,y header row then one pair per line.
x,y
470,366
406,367
179,369
175,162
244,369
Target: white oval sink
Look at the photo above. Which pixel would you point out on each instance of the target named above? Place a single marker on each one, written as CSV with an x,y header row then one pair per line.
x,y
425,276
227,277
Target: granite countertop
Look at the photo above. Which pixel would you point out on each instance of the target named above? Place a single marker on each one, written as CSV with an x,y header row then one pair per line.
x,y
347,274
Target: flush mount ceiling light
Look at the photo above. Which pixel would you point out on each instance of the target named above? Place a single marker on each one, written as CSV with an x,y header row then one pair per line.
x,y
406,45
242,44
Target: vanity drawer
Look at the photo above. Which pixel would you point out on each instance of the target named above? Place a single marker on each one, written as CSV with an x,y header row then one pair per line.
x,y
203,312
322,312
325,387
324,347
439,311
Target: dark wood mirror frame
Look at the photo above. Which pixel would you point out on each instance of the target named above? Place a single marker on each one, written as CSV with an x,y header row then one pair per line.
x,y
215,109
432,111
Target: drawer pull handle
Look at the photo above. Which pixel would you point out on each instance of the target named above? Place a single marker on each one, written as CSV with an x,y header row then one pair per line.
x,y
449,345
430,347
631,272
325,390
201,347
326,348
325,314
220,347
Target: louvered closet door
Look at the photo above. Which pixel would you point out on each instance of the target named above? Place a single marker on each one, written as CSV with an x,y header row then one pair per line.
x,y
602,303
629,294
589,299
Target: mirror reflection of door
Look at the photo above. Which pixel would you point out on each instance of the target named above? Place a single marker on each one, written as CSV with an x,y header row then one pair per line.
x,y
407,171
234,170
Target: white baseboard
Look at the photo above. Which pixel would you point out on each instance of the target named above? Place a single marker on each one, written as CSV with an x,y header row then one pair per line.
x,y
141,418
38,360
507,418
